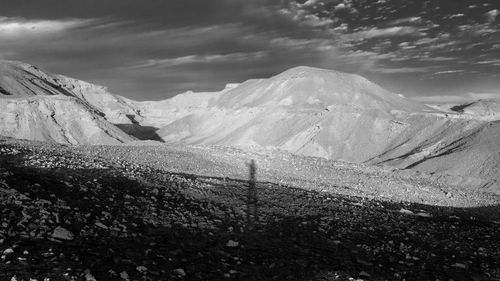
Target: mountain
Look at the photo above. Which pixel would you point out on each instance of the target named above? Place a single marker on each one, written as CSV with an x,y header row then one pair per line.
x,y
38,105
316,112
304,110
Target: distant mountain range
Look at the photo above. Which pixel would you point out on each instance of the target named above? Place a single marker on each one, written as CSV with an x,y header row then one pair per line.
x,y
308,111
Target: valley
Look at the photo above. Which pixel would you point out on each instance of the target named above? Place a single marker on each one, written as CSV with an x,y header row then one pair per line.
x,y
305,111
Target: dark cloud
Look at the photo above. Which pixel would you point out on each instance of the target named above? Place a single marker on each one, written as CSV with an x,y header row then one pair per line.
x,y
154,49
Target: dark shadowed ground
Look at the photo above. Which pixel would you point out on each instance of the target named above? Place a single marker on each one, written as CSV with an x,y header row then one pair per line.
x,y
124,222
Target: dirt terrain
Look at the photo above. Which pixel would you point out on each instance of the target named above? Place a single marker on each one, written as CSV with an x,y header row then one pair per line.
x,y
179,213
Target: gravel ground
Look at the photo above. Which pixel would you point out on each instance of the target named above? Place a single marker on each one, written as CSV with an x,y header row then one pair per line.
x,y
179,213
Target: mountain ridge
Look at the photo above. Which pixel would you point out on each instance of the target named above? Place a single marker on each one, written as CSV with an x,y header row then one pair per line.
x,y
304,110
38,105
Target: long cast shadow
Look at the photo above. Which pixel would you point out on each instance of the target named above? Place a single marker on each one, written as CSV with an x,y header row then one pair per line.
x,y
197,224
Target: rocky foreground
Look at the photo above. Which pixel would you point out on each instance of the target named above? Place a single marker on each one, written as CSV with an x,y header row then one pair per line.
x,y
165,213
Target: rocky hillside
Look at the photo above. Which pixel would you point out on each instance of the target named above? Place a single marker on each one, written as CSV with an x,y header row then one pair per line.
x,y
304,110
59,119
41,106
470,153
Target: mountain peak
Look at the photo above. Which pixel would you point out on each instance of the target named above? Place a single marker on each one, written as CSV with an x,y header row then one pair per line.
x,y
309,87
304,69
308,71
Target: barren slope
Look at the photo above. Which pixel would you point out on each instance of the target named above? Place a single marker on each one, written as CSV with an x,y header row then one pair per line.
x,y
60,119
335,115
471,153
38,105
303,110
488,109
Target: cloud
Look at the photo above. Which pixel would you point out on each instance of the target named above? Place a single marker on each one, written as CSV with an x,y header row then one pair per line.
x,y
449,72
408,20
21,27
495,62
305,18
176,43
396,31
193,59
434,59
484,95
426,40
304,44
308,3
456,99
340,6
401,70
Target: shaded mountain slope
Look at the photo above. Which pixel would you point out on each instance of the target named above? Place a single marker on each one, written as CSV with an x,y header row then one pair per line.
x,y
21,80
487,109
41,106
60,119
473,152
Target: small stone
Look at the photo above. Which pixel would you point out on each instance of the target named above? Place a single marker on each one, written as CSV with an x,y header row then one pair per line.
x,y
124,275
8,252
180,272
406,212
141,269
364,274
232,244
89,276
424,215
460,265
62,233
99,224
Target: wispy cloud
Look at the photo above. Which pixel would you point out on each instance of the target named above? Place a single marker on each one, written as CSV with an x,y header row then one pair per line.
x,y
198,59
484,95
15,27
490,62
303,17
395,31
449,72
163,47
455,99
408,20
401,70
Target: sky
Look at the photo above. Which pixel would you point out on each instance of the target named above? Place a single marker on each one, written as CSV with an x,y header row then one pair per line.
x,y
155,49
